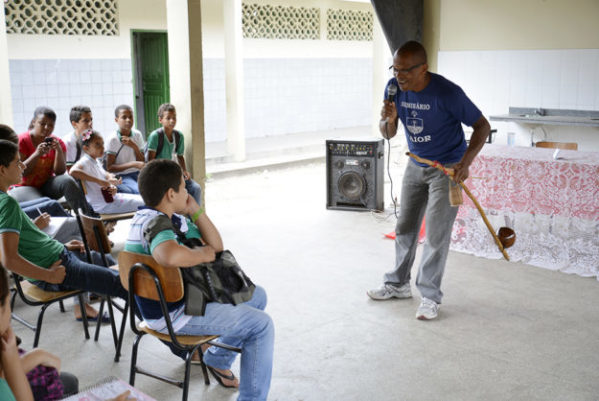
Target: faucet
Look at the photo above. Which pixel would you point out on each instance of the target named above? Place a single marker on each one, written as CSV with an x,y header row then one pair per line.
x,y
540,112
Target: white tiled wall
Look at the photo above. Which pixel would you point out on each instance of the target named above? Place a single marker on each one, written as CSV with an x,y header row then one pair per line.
x,y
281,95
565,79
555,79
292,95
63,83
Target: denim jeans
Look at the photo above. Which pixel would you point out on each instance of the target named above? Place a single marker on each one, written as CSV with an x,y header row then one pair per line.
x,y
194,189
45,205
246,326
425,190
55,187
81,275
129,185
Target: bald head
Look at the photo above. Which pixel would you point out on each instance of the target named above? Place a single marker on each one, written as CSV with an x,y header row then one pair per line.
x,y
413,49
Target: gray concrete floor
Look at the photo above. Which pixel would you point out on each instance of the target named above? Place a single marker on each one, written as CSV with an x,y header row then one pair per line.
x,y
506,331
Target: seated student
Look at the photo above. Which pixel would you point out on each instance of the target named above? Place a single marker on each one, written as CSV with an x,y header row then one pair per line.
x,y
124,153
43,157
14,384
31,253
162,186
82,120
46,380
101,189
173,146
40,210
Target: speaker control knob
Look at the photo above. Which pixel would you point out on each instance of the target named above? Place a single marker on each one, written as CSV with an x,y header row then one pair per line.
x,y
339,164
365,164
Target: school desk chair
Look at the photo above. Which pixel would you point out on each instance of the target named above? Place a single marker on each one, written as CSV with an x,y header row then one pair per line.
x,y
94,237
141,275
32,295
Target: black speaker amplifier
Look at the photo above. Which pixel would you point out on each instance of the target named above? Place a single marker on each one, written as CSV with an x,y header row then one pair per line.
x,y
355,174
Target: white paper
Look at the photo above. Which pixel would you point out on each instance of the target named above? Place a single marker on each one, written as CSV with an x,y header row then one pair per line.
x,y
54,226
107,389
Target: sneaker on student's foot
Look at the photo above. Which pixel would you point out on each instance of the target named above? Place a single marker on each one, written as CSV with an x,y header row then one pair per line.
x,y
427,310
388,291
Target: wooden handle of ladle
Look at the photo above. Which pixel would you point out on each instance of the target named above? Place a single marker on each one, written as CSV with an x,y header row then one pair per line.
x,y
450,172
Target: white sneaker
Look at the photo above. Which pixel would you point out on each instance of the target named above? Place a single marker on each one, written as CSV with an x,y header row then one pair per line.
x,y
427,310
388,291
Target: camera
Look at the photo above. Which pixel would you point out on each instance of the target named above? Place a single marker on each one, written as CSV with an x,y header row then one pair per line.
x,y
49,140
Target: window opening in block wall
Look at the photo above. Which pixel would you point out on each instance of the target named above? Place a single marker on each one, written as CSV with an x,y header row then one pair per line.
x,y
349,25
280,22
62,17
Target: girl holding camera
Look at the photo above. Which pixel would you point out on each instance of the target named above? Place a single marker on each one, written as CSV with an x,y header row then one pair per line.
x,y
44,157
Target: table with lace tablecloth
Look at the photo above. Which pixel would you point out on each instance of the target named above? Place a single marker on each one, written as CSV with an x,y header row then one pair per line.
x,y
552,205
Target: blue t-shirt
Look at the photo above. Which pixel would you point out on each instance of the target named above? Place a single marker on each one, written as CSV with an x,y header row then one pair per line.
x,y
433,119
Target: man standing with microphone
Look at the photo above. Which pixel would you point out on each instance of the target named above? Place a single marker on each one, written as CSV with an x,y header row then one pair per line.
x,y
432,110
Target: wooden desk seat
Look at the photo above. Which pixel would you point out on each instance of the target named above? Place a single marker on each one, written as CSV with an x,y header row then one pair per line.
x,y
35,293
117,216
184,340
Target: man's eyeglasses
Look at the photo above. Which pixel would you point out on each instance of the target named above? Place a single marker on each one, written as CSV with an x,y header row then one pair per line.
x,y
396,71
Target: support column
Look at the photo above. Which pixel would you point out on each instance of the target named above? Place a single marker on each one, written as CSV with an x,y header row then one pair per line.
x,y
184,22
380,64
234,79
5,97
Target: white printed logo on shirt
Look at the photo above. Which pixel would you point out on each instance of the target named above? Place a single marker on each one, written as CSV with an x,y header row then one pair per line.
x,y
415,126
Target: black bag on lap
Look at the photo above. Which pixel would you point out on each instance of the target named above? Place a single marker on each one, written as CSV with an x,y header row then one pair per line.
x,y
221,280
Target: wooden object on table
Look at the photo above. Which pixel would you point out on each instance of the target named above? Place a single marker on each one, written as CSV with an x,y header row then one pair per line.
x,y
557,145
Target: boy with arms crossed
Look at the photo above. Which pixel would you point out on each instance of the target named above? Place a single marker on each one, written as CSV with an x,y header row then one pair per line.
x,y
246,325
173,146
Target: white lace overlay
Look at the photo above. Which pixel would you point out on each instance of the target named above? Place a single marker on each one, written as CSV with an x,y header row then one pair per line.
x,y
552,205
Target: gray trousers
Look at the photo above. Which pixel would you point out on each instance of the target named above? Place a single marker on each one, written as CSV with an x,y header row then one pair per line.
x,y
425,190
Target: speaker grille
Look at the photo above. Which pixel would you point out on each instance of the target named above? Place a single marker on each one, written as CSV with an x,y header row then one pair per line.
x,y
352,185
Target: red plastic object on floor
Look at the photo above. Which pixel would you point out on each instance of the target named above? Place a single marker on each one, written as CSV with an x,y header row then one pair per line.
x,y
421,235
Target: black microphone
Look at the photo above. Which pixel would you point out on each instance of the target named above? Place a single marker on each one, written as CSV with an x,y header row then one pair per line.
x,y
391,92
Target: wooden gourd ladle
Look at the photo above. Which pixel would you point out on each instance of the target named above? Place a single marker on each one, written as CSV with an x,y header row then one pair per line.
x,y
508,236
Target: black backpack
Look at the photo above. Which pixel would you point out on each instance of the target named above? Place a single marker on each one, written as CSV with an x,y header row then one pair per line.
x,y
161,136
221,280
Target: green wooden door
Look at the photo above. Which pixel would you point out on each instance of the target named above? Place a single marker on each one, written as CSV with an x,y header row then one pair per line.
x,y
152,79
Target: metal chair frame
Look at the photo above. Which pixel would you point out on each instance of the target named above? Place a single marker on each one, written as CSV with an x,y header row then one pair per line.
x,y
99,242
133,277
54,297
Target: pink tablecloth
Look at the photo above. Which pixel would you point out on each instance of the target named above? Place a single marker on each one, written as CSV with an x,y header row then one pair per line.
x,y
553,205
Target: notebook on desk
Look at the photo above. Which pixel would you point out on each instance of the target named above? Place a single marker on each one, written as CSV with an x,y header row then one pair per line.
x,y
106,389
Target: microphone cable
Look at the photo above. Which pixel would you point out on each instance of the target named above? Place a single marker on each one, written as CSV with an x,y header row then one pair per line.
x,y
393,200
